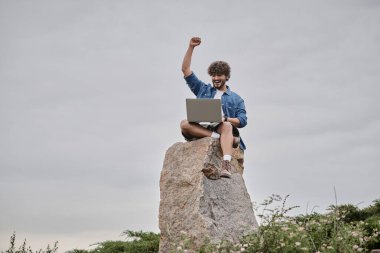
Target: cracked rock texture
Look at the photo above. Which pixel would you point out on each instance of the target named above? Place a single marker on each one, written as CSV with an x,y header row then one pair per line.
x,y
197,208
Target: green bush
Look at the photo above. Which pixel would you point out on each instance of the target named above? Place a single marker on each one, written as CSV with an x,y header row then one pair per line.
x,y
136,242
344,228
27,249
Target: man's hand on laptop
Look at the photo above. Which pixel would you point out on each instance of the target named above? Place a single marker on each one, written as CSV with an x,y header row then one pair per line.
x,y
195,41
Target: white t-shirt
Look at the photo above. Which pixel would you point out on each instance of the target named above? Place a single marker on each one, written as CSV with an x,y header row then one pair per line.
x,y
218,95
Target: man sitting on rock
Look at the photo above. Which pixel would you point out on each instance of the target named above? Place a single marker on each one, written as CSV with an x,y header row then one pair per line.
x,y
234,114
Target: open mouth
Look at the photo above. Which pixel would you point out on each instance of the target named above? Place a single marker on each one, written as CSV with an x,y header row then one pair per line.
x,y
217,81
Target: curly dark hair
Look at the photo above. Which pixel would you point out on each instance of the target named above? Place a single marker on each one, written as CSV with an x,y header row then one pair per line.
x,y
219,68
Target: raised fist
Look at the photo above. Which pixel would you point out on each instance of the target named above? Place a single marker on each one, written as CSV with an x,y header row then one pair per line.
x,y
195,41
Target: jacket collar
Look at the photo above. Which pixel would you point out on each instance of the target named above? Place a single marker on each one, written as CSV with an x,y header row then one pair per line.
x,y
228,91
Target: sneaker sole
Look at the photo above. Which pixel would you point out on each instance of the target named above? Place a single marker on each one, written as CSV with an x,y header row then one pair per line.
x,y
225,175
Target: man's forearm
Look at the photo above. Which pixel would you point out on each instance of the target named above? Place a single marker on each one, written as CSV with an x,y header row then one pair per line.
x,y
187,61
234,121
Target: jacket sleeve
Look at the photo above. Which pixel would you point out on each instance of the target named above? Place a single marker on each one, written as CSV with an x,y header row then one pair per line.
x,y
241,114
194,83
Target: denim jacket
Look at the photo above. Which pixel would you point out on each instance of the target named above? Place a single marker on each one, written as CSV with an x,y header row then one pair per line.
x,y
232,104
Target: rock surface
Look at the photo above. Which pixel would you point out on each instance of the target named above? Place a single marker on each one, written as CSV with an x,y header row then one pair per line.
x,y
197,208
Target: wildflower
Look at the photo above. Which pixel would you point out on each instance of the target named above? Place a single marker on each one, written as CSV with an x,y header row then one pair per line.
x,y
355,247
360,249
354,233
284,228
298,243
282,244
330,247
245,245
304,249
179,248
242,249
301,229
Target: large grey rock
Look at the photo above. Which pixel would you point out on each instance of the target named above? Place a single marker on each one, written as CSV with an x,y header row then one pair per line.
x,y
199,208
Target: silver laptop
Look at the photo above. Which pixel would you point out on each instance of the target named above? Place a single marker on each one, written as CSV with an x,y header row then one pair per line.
x,y
203,110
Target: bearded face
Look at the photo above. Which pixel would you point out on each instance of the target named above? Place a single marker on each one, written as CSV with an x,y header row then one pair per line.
x,y
219,81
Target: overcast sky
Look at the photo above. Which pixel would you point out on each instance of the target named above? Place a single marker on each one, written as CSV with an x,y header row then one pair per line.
x,y
92,93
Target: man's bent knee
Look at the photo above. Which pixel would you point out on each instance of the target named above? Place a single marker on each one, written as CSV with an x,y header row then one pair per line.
x,y
225,127
185,125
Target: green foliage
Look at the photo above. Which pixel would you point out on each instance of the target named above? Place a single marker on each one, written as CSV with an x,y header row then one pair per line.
x,y
142,241
136,242
27,249
344,228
